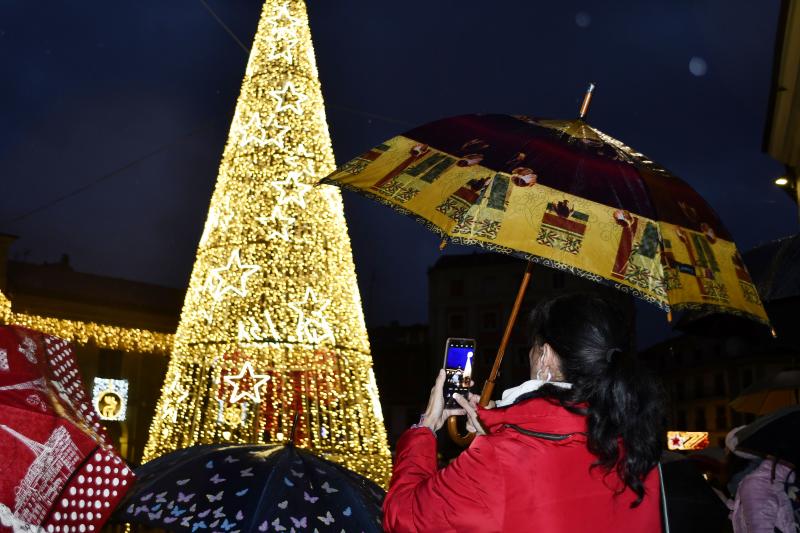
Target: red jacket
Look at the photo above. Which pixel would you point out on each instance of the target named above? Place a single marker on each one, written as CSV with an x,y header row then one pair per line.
x,y
511,481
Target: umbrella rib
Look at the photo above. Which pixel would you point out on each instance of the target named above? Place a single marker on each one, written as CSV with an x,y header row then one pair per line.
x,y
264,493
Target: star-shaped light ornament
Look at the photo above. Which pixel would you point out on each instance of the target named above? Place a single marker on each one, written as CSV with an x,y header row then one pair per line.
x,y
258,131
174,396
288,99
279,224
291,190
283,46
312,326
283,20
235,271
238,392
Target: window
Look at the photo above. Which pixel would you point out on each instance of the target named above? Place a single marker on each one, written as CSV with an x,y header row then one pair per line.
x,y
456,287
719,384
698,387
721,422
733,383
747,377
456,323
680,391
700,419
681,421
490,321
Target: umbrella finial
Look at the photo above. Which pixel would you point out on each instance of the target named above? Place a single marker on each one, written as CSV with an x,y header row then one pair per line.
x,y
587,98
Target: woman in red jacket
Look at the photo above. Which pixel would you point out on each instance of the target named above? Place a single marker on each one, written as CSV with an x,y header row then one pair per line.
x,y
571,450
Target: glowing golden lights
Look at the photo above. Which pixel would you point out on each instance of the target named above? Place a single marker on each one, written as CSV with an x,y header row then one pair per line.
x,y
83,333
272,324
782,181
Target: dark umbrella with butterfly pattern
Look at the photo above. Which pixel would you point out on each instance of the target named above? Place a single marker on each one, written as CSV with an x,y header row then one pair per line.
x,y
251,488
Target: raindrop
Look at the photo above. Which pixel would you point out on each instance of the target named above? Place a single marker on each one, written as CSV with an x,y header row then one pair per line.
x,y
698,66
583,19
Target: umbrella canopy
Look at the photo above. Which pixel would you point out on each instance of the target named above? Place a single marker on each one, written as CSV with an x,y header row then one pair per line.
x,y
251,488
564,194
58,470
777,434
692,505
780,390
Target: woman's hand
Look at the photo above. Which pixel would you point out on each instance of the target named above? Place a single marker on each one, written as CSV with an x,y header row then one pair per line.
x,y
436,414
470,407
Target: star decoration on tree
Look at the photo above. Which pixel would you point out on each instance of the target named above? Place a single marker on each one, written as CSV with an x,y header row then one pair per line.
x,y
283,48
259,132
291,190
279,224
172,403
235,270
283,21
312,326
288,99
239,392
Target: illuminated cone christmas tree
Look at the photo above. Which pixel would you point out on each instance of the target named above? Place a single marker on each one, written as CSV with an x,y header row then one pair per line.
x,y
272,324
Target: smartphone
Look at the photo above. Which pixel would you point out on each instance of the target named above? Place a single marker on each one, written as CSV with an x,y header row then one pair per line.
x,y
458,361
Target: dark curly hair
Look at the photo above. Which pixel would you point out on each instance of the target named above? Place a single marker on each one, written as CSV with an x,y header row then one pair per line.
x,y
623,403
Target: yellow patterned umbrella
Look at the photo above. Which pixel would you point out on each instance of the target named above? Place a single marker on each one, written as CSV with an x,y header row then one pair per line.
x,y
566,195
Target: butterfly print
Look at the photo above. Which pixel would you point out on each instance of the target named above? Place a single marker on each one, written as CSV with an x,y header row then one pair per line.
x,y
327,519
327,488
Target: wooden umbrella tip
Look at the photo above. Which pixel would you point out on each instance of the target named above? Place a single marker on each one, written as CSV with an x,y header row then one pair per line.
x,y
587,98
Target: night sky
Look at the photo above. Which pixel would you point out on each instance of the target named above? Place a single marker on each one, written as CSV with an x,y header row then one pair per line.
x,y
114,114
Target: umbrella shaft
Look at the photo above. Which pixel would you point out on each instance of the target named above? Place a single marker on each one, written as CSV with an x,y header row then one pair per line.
x,y
488,387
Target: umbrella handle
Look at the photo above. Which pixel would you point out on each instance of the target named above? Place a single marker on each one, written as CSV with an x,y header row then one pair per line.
x,y
488,387
455,435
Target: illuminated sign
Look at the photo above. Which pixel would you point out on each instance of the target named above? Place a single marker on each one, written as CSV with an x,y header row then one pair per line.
x,y
687,440
110,398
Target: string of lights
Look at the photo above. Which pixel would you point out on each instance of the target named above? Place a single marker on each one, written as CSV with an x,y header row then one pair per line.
x,y
101,335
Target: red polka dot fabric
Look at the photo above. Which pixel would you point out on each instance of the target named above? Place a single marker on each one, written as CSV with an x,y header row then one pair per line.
x,y
58,471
